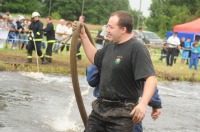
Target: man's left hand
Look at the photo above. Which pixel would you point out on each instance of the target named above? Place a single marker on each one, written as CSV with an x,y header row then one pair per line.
x,y
155,113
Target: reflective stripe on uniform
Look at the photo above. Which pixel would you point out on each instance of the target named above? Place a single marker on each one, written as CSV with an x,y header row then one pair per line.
x,y
29,56
78,54
38,39
47,56
51,41
38,33
41,56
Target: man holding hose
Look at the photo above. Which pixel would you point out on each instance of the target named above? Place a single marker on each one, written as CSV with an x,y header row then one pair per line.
x,y
126,72
35,38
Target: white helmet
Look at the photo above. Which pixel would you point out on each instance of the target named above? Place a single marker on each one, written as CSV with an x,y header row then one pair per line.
x,y
34,14
22,18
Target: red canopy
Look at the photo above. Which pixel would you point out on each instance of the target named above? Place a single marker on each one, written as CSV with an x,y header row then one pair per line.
x,y
193,26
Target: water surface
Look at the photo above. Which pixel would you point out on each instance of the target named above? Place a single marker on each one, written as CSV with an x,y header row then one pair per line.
x,y
34,102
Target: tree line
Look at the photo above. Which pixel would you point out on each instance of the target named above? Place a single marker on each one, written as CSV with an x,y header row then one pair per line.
x,y
164,14
95,11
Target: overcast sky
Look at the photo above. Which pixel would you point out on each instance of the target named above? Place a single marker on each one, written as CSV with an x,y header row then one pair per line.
x,y
135,4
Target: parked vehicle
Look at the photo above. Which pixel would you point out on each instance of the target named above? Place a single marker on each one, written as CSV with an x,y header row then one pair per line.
x,y
151,38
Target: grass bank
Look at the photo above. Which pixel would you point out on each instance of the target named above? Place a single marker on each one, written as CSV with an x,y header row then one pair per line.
x,y
14,60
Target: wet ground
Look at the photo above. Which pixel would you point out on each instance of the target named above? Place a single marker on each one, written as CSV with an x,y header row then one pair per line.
x,y
34,102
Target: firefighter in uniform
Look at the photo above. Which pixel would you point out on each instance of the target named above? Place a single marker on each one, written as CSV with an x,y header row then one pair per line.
x,y
49,32
35,37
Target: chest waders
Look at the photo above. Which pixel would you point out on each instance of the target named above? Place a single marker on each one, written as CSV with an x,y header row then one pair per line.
x,y
74,75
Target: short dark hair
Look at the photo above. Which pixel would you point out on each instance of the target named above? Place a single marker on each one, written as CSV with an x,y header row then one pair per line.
x,y
49,17
83,17
125,20
69,23
140,28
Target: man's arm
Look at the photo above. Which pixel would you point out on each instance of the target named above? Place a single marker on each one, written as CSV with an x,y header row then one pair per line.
x,y
89,48
155,101
149,88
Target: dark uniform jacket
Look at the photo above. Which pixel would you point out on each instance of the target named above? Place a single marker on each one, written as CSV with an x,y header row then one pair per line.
x,y
49,32
37,28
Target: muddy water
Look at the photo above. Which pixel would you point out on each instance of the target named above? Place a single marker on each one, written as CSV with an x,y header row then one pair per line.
x,y
34,102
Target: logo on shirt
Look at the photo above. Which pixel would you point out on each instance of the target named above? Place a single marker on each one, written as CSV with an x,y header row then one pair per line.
x,y
118,59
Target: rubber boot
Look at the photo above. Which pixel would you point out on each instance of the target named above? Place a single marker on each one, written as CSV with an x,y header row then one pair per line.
x,y
49,60
78,57
29,60
44,61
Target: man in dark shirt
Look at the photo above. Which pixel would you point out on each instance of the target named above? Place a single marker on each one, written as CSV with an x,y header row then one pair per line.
x,y
49,32
126,74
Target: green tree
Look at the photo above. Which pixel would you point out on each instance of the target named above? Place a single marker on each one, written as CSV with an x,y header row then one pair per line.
x,y
21,6
95,11
167,13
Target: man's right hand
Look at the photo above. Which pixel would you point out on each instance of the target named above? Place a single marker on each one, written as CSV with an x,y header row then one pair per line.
x,y
82,32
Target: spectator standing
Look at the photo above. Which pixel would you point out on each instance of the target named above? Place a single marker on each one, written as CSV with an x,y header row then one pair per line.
x,y
186,49
194,59
140,33
173,42
19,29
182,44
12,32
67,36
49,32
26,29
61,30
5,21
22,33
135,35
99,39
15,36
163,51
1,22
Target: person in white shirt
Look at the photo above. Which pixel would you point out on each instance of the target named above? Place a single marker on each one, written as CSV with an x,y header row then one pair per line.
x,y
173,42
140,34
67,38
61,31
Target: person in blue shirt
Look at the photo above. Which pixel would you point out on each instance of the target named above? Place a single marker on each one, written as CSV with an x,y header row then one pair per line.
x,y
194,59
186,49
93,77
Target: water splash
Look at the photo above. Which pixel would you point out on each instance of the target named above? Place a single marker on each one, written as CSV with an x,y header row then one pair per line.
x,y
36,75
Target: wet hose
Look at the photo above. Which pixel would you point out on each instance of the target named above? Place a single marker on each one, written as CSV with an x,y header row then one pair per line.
x,y
73,66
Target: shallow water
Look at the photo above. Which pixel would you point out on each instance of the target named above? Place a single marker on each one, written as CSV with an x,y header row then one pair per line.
x,y
34,102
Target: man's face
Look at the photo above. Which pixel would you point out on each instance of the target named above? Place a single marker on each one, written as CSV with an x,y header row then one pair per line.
x,y
47,20
174,35
35,18
113,30
62,22
81,19
69,25
183,39
188,40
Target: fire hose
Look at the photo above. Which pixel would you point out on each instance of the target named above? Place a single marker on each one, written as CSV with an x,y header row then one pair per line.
x,y
74,75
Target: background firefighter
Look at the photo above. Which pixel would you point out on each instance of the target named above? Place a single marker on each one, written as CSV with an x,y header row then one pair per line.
x,y
36,33
49,32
